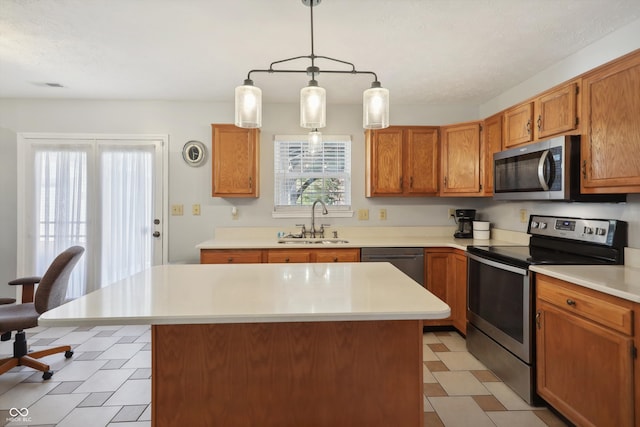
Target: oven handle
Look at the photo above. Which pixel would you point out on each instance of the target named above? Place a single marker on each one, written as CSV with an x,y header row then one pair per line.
x,y
499,265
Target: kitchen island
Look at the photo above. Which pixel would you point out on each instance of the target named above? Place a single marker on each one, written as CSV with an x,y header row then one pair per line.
x,y
274,344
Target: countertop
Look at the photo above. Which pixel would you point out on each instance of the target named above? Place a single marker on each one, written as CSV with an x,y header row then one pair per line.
x,y
617,280
359,237
195,293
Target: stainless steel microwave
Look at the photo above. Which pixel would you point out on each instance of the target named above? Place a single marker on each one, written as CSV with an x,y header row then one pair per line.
x,y
547,170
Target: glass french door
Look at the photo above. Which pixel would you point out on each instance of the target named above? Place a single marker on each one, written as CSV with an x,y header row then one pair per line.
x,y
105,194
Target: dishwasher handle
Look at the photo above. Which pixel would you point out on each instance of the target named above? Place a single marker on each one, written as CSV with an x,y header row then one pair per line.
x,y
388,257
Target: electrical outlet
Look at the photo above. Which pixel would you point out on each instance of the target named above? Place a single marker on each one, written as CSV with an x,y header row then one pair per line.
x,y
452,213
177,210
524,218
195,209
363,214
382,214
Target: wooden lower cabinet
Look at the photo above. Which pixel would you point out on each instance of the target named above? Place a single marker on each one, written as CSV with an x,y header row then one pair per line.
x,y
585,353
313,255
446,278
257,256
230,256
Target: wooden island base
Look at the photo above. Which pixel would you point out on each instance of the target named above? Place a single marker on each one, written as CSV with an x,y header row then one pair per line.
x,y
336,373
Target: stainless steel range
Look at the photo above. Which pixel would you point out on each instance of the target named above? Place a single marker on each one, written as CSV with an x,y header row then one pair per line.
x,y
501,290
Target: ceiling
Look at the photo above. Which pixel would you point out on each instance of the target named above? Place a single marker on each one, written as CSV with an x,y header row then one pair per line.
x,y
423,51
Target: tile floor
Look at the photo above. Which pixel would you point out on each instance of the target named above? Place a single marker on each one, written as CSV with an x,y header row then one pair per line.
x,y
108,383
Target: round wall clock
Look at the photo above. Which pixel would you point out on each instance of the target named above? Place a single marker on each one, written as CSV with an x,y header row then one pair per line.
x,y
194,153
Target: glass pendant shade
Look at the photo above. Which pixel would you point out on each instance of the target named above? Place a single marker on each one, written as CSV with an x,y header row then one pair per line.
x,y
313,106
315,141
375,107
248,106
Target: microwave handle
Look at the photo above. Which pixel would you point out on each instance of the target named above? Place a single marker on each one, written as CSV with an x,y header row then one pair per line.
x,y
543,159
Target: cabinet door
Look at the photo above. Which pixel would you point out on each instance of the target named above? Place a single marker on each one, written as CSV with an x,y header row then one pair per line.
x,y
234,160
421,162
492,143
230,256
337,255
518,126
384,162
611,108
556,111
438,275
459,267
461,160
584,370
288,256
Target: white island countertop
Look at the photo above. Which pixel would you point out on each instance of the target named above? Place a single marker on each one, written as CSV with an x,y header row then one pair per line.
x,y
253,293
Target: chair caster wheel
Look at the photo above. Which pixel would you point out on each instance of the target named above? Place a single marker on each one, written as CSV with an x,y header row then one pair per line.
x,y
68,354
47,375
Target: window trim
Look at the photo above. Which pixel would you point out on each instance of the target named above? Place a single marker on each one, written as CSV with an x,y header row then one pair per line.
x,y
281,211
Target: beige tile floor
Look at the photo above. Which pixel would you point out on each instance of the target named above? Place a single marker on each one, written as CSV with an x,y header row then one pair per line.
x,y
108,383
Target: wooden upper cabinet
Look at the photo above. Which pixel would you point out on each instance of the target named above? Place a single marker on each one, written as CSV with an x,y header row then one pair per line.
x,y
518,125
461,160
402,161
552,113
491,144
235,161
610,142
557,111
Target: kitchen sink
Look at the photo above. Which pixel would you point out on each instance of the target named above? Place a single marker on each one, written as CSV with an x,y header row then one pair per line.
x,y
317,241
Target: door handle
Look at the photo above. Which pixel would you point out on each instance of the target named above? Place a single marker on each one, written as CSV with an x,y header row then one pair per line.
x,y
156,234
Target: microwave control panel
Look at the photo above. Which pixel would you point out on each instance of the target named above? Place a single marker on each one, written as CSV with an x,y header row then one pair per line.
x,y
600,231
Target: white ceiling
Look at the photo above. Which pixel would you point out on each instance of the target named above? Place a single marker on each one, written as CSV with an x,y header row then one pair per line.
x,y
423,51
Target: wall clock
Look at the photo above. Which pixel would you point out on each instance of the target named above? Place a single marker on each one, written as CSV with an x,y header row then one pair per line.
x,y
194,153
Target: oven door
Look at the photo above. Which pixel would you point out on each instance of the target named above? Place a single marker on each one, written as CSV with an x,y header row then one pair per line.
x,y
500,304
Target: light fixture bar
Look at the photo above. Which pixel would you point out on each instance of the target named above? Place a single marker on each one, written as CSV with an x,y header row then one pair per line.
x,y
375,99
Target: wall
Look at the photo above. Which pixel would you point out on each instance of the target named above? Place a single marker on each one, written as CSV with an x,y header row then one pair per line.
x,y
184,121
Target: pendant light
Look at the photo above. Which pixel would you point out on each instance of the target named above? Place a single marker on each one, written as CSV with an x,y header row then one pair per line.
x,y
248,99
248,105
315,141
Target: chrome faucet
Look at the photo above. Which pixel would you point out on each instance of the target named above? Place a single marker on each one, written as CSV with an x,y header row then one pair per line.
x,y
313,217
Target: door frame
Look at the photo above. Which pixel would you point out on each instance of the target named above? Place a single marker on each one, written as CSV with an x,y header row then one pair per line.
x,y
22,149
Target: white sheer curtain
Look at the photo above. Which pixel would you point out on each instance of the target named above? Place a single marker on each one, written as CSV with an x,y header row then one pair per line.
x,y
96,194
127,211
60,198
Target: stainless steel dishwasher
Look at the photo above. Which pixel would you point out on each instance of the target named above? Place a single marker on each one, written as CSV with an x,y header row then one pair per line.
x,y
408,260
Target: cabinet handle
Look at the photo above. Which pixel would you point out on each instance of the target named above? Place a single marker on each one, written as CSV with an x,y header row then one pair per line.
x,y
401,182
286,260
571,302
538,315
410,182
335,259
250,184
445,181
584,169
229,260
539,122
529,126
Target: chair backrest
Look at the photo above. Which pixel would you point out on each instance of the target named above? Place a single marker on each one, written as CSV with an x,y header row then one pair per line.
x,y
52,289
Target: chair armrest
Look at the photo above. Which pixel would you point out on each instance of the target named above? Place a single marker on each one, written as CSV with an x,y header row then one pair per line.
x,y
28,284
26,280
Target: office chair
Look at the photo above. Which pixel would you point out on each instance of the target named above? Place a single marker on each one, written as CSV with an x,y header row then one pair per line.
x,y
50,293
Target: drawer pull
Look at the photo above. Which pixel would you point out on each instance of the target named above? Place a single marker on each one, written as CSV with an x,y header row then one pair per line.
x,y
229,259
335,259
571,302
286,260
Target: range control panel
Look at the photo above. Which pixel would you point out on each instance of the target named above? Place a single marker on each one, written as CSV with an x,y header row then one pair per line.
x,y
600,231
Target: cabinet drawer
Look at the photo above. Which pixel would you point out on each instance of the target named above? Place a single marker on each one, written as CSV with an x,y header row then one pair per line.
x,y
224,256
340,255
601,308
288,256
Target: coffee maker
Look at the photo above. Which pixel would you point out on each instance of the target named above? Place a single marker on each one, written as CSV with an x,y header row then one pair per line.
x,y
464,218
